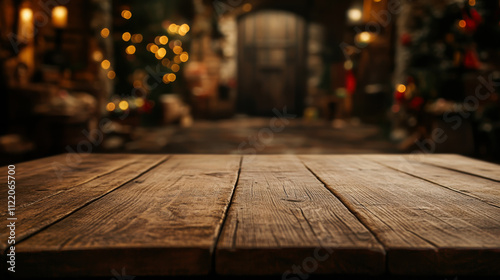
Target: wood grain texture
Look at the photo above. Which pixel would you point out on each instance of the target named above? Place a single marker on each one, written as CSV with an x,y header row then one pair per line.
x,y
64,199
283,218
470,185
462,164
164,222
39,179
425,228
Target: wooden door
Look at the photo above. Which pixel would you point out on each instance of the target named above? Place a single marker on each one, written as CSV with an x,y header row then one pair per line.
x,y
271,70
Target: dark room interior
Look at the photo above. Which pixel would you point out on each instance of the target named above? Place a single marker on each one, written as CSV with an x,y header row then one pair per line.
x,y
283,139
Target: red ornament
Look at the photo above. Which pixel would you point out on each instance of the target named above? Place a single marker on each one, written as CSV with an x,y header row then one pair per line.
x,y
406,39
147,107
471,60
416,103
350,82
472,20
399,96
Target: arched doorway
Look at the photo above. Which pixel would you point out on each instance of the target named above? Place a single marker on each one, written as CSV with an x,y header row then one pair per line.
x,y
271,62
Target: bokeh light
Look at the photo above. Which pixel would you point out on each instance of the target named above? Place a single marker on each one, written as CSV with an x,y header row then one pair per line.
x,y
130,49
123,105
111,75
105,64
126,36
104,33
126,14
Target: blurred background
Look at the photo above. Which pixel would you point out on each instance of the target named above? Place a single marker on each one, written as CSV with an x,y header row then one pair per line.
x,y
249,77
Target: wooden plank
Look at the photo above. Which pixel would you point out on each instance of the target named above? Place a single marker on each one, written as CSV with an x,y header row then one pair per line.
x,y
163,223
282,220
43,178
482,189
48,209
425,228
462,164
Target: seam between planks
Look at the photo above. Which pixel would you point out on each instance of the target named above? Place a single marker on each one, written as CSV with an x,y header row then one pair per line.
x,y
21,239
436,183
459,171
352,211
72,187
360,219
224,219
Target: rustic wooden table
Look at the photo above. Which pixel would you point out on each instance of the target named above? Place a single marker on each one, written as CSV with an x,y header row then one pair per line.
x,y
101,214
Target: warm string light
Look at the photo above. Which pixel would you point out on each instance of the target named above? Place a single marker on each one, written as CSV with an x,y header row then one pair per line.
x,y
182,30
184,57
126,36
119,105
123,105
163,40
137,38
155,48
354,14
26,24
139,102
26,14
168,78
401,88
105,64
126,14
110,107
111,75
175,67
247,7
130,49
160,54
105,33
177,59
59,17
177,50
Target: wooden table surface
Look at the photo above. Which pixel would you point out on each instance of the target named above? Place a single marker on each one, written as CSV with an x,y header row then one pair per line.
x,y
253,215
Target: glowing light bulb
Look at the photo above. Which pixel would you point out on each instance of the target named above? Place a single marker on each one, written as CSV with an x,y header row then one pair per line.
x,y
104,33
105,64
137,38
126,36
126,14
163,40
59,16
110,106
26,14
175,67
123,105
365,37
184,57
130,49
354,14
401,88
111,75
